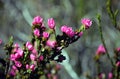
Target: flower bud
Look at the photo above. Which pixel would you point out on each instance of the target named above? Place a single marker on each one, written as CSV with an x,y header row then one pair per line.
x,y
14,67
118,64
36,32
100,50
86,22
20,52
64,28
32,57
51,44
80,34
118,49
46,35
29,46
15,50
58,66
12,57
16,45
12,72
51,23
0,41
34,51
55,77
68,30
27,66
41,58
49,75
18,63
32,67
110,75
37,20
101,76
17,55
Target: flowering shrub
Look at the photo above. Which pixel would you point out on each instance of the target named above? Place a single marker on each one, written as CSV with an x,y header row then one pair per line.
x,y
39,57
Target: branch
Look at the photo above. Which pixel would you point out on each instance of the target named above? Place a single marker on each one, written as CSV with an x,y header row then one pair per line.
x,y
66,64
102,39
112,14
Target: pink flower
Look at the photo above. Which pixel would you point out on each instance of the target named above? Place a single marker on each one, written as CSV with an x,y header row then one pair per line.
x,y
49,75
34,51
15,50
14,67
86,22
32,67
55,77
32,57
110,75
12,57
51,23
68,30
18,63
118,49
118,64
46,35
41,58
20,52
51,43
59,48
12,72
80,34
17,55
101,76
36,32
29,46
64,28
100,50
0,41
27,66
37,20
16,45
58,66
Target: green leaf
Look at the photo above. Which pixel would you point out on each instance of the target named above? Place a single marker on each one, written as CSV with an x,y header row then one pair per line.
x,y
116,12
98,16
8,46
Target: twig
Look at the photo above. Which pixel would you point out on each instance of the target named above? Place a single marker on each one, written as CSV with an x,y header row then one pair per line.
x,y
102,39
112,14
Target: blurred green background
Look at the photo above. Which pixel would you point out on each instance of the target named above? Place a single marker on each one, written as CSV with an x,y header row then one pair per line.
x,y
16,18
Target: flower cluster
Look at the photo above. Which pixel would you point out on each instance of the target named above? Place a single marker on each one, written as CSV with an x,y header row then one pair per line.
x,y
101,51
68,31
102,75
41,54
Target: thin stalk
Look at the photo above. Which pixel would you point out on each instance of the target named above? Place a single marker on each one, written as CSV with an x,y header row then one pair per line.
x,y
55,33
112,14
98,67
103,41
7,65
